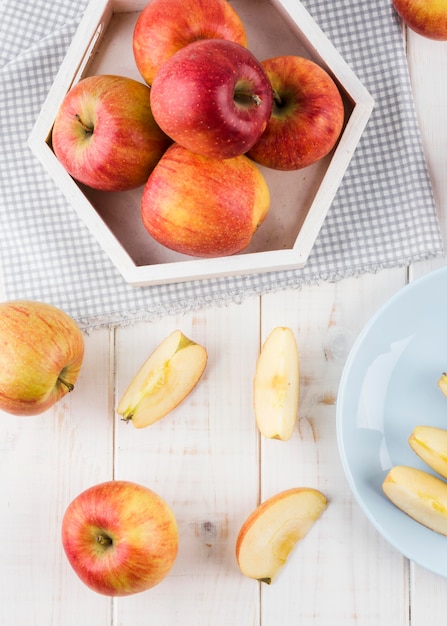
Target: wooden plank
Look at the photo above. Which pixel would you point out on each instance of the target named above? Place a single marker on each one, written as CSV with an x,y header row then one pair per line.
x,y
427,60
343,572
45,461
203,459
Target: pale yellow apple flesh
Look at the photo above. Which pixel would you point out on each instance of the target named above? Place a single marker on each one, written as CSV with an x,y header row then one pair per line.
x,y
166,378
419,494
276,385
442,383
272,530
430,444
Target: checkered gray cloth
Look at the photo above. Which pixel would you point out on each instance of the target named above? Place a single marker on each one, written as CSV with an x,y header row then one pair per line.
x,y
383,214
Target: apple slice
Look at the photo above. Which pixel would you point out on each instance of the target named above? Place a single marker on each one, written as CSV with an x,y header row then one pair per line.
x,y
442,383
169,374
418,494
430,444
276,385
272,530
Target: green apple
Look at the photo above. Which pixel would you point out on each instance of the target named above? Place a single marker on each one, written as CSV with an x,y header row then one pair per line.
x,y
42,350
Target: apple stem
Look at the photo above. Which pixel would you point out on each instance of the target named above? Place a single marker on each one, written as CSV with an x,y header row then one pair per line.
x,y
69,386
244,98
277,99
87,129
104,540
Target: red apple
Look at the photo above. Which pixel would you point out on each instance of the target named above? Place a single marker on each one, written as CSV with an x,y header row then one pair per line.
x,y
426,17
42,350
120,538
105,134
212,97
204,207
166,26
307,116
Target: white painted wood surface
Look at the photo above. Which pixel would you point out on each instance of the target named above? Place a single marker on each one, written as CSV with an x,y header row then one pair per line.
x,y
208,461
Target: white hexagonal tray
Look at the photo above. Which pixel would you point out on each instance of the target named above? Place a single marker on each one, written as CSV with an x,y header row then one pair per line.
x,y
300,199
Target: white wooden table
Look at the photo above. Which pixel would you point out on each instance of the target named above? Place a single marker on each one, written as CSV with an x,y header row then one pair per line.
x,y
208,461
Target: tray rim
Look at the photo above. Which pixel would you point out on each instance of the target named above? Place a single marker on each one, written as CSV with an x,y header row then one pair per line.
x,y
88,36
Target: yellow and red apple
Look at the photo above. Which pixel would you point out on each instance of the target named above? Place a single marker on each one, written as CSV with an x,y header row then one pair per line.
x,y
204,207
164,380
120,537
212,97
166,26
426,17
307,116
105,134
42,350
272,530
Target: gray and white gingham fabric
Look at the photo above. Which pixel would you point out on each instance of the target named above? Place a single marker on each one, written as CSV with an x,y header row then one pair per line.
x,y
383,214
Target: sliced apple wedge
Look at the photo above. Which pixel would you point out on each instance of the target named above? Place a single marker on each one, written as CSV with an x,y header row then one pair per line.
x,y
272,530
169,374
276,385
442,383
430,444
419,494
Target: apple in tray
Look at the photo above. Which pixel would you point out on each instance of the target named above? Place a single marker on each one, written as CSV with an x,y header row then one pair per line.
x,y
166,378
165,26
276,385
42,350
419,494
272,530
105,135
204,207
120,538
307,116
212,97
428,19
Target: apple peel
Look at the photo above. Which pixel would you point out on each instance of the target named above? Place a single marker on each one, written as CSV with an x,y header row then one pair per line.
x,y
165,379
272,530
276,385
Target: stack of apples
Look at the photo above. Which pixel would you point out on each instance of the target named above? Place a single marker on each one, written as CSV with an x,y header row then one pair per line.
x,y
195,131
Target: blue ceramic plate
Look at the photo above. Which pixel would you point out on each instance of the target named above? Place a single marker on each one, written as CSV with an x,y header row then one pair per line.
x,y
389,386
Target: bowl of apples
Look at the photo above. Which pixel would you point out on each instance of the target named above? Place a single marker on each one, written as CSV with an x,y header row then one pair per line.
x,y
204,140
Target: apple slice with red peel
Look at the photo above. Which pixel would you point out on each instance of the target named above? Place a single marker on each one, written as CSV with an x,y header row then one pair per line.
x,y
419,494
272,530
165,379
276,385
430,444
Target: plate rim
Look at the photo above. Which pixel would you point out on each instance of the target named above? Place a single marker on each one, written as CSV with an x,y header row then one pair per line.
x,y
414,285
